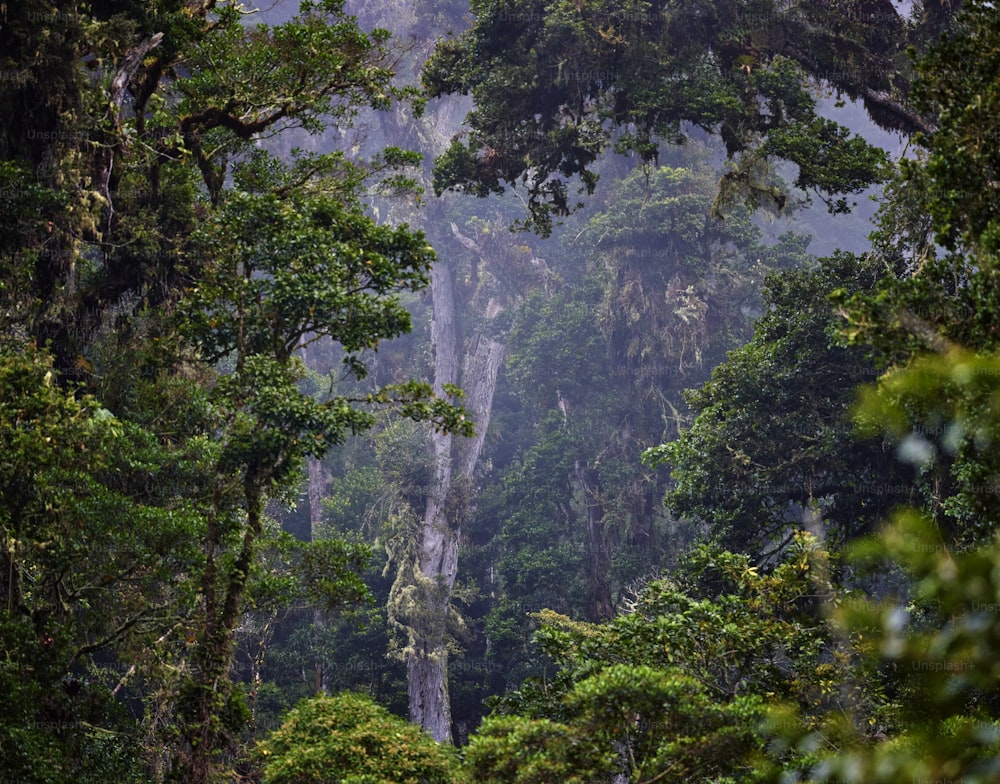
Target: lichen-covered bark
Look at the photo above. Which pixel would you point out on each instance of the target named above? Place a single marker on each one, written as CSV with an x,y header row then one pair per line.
x,y
437,546
447,504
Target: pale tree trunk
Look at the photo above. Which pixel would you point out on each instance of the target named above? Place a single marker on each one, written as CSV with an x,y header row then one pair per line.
x,y
479,380
319,479
447,505
421,599
437,554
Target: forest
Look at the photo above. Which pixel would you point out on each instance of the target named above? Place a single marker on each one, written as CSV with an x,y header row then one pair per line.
x,y
499,391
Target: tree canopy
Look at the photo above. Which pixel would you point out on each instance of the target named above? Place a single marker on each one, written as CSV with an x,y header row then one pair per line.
x,y
164,271
232,483
554,85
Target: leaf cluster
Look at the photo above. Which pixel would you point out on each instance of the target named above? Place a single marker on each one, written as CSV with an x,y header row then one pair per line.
x,y
553,82
349,738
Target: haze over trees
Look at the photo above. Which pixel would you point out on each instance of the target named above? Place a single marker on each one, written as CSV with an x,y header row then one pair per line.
x,y
301,440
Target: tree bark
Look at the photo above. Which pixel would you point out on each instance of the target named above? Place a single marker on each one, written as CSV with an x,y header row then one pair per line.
x,y
447,505
318,479
437,558
211,688
598,547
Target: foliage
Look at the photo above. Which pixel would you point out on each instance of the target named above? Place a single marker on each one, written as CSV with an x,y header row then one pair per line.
x,y
772,443
161,269
348,738
63,559
555,84
676,684
172,269
958,82
868,698
307,266
942,412
935,645
939,300
525,750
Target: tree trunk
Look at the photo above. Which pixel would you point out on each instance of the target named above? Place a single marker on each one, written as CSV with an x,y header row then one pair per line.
x,y
318,479
437,555
598,547
211,687
447,505
479,380
10,578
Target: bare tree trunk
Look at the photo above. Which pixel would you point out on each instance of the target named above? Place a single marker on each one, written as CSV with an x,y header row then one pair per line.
x,y
437,557
479,380
421,599
447,505
319,479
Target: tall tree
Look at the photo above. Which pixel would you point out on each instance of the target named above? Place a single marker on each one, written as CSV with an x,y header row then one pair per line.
x,y
940,232
772,448
469,344
667,290
175,269
555,85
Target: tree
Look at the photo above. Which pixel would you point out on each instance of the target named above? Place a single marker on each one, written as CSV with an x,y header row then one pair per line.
x,y
116,152
963,153
934,645
173,272
942,300
666,292
642,299
277,274
898,688
74,583
937,404
469,355
675,685
348,738
772,445
475,288
554,85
